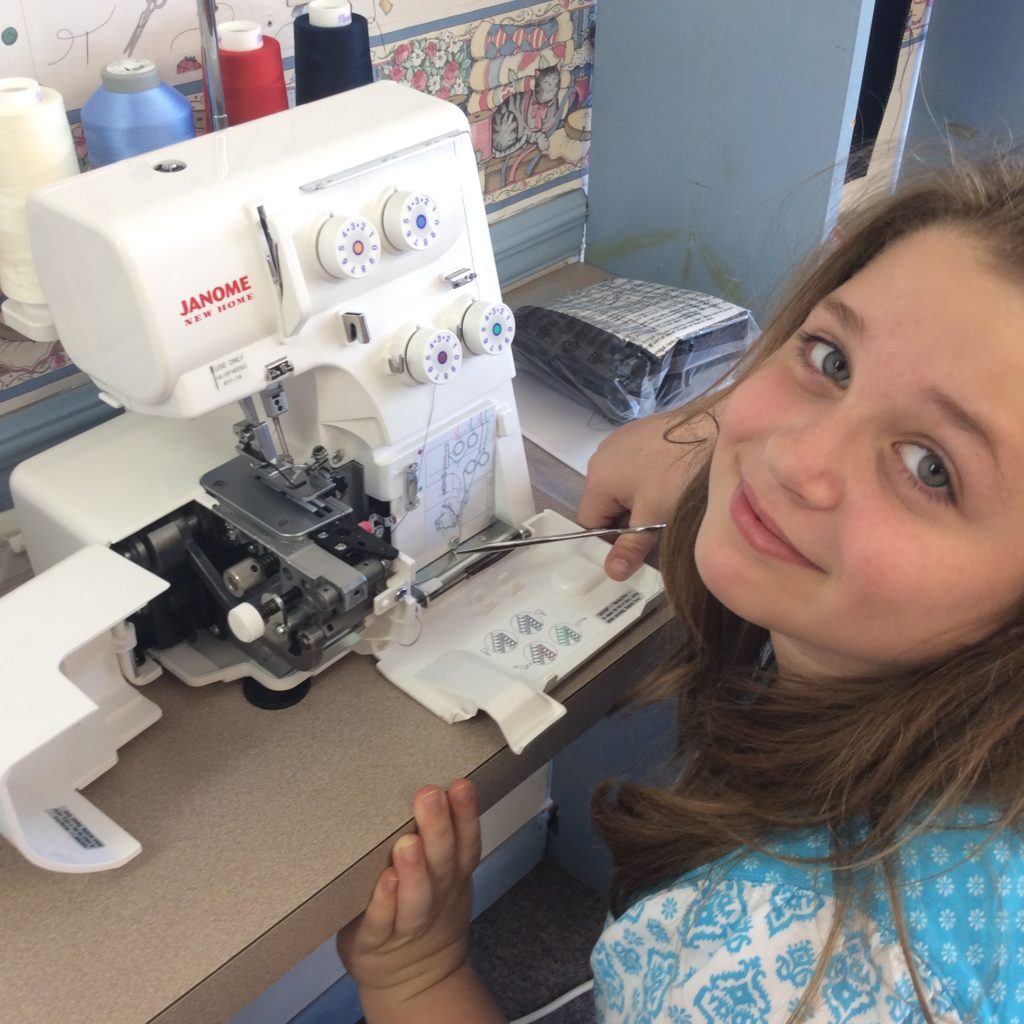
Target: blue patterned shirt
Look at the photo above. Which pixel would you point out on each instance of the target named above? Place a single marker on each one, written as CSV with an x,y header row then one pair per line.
x,y
737,942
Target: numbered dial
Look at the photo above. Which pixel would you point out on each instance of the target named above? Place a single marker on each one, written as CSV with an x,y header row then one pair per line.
x,y
433,356
411,221
488,328
348,247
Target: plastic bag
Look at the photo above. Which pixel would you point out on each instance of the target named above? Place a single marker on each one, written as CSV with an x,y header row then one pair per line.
x,y
629,348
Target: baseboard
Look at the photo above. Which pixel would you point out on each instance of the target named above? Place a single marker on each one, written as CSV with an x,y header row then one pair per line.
x,y
36,427
543,236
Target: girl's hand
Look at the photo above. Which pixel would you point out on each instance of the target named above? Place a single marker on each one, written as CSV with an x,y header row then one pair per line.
x,y
637,476
414,933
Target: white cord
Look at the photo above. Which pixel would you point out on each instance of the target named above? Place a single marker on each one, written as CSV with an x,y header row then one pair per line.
x,y
568,997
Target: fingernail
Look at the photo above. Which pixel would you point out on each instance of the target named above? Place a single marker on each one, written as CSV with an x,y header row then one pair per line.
x,y
390,883
432,797
619,568
408,849
463,794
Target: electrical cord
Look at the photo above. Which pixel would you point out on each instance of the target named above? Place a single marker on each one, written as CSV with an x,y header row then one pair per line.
x,y
555,1004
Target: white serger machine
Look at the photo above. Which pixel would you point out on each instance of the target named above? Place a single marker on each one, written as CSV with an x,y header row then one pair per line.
x,y
301,317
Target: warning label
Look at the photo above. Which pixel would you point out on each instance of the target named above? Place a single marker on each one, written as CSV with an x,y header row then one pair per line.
x,y
74,828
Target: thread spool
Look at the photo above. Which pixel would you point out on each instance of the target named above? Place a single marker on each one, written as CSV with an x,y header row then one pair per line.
x,y
332,51
251,70
36,148
133,112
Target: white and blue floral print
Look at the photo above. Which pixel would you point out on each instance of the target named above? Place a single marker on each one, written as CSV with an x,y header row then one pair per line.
x,y
738,943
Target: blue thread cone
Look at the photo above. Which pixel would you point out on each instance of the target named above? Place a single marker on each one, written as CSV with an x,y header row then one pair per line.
x,y
133,112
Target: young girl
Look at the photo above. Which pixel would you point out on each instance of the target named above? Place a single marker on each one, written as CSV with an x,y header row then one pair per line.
x,y
843,841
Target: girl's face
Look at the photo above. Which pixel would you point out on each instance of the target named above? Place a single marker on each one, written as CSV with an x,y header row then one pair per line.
x,y
866,498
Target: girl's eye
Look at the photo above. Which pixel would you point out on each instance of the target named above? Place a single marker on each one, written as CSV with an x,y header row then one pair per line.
x,y
829,360
926,468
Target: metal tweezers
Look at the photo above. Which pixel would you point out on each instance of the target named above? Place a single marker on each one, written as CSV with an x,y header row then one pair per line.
x,y
601,531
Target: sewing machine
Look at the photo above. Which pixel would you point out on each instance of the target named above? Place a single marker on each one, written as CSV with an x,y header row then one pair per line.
x,y
301,318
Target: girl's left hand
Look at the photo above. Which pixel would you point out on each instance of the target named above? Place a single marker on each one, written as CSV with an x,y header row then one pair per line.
x,y
414,932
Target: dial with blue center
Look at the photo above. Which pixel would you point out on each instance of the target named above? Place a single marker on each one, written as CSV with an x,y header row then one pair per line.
x,y
412,221
488,328
348,247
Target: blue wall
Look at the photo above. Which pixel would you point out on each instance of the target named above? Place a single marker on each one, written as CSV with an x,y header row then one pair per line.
x,y
970,96
720,138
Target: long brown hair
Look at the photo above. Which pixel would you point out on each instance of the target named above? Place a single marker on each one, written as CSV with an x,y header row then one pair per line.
x,y
910,744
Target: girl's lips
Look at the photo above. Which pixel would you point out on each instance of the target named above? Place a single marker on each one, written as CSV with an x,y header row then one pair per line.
x,y
761,533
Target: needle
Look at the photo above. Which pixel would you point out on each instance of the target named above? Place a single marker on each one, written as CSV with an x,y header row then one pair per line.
x,y
601,531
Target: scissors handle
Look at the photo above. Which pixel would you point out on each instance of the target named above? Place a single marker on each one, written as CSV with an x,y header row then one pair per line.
x,y
133,41
522,542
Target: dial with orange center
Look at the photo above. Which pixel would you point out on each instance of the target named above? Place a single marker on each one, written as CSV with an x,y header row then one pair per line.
x,y
348,247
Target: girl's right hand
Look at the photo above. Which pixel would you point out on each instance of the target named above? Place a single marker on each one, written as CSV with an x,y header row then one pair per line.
x,y
637,476
414,933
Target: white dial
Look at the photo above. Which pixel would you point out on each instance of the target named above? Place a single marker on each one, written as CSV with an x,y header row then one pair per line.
x,y
348,247
245,621
411,221
433,355
488,328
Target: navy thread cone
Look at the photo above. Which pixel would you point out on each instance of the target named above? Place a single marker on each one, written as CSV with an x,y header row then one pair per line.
x,y
331,60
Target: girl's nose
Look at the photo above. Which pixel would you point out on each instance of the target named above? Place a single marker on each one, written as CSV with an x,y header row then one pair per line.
x,y
807,462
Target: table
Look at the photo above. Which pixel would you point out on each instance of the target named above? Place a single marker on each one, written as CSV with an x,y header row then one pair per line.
x,y
262,832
